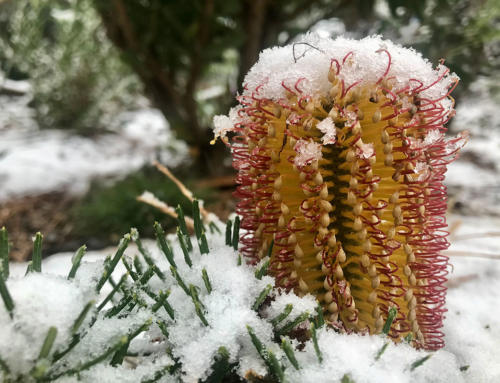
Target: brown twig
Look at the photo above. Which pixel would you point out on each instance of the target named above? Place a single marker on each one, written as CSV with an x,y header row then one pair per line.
x,y
150,199
184,190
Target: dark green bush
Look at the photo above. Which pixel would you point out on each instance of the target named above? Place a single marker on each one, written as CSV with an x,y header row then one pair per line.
x,y
110,210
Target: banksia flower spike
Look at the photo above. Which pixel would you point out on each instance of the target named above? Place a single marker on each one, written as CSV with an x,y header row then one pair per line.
x,y
341,155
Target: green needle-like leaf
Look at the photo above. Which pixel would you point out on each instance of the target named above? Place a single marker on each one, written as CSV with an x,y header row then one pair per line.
x,y
381,351
182,225
138,265
262,296
275,366
145,254
315,343
236,232
206,280
203,243
281,317
213,228
6,297
179,280
4,253
37,253
110,266
81,317
221,366
390,318
291,325
48,343
198,225
419,362
76,260
229,239
320,320
259,273
160,235
116,287
183,244
255,340
267,356
290,354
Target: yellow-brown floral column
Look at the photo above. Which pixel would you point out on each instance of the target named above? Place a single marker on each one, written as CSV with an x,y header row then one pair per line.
x,y
341,154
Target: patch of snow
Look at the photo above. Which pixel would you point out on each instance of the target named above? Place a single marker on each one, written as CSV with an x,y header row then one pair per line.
x,y
38,299
16,87
300,305
311,58
472,328
33,161
354,355
124,373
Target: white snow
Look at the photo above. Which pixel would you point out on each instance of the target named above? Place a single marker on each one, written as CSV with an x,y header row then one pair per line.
x,y
300,305
354,355
310,60
472,327
129,372
41,301
327,127
307,152
34,161
222,125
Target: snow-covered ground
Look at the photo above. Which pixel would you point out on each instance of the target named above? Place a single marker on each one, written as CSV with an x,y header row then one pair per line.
x,y
34,161
472,351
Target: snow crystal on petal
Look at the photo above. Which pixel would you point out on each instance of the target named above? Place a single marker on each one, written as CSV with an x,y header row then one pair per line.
x,y
351,117
327,127
457,143
222,125
432,136
307,152
365,150
293,119
422,169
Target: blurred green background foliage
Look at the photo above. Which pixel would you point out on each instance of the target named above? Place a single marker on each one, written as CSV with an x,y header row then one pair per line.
x,y
88,60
